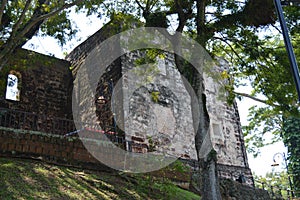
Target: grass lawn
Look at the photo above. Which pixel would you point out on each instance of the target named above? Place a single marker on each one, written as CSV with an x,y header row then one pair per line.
x,y
29,179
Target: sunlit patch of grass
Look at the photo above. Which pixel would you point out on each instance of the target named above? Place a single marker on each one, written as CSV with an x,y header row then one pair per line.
x,y
41,171
27,179
7,165
133,193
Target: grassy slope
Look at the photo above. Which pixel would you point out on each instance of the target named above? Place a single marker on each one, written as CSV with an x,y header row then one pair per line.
x,y
27,179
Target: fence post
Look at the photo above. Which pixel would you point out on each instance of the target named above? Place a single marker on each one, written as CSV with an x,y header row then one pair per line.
x,y
280,193
272,191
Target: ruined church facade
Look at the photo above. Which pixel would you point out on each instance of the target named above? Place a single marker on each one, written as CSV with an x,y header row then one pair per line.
x,y
157,114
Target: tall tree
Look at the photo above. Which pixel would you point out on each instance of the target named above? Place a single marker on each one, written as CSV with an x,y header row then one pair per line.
x,y
271,79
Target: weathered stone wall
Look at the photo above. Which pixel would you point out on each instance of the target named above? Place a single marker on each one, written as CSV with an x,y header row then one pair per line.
x,y
225,127
46,85
140,109
105,103
235,172
157,112
78,55
88,89
51,148
232,190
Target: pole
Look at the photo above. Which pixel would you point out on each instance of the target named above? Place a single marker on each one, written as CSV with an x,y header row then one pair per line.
x,y
289,178
288,46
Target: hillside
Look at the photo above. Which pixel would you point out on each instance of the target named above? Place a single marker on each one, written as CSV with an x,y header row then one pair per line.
x,y
31,179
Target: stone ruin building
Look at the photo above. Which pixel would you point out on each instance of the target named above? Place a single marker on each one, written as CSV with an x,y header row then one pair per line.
x,y
165,104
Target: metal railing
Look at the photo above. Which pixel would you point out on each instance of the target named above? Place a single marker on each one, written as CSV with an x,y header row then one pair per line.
x,y
17,119
274,191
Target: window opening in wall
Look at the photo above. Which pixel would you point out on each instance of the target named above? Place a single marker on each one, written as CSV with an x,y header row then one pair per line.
x,y
13,86
217,133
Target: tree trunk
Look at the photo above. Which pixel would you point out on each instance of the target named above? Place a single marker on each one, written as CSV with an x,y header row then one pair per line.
x,y
209,181
17,40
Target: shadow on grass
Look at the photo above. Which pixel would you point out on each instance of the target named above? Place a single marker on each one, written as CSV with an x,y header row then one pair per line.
x,y
28,179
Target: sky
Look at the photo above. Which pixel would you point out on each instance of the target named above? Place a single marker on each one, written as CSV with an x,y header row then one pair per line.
x,y
89,25
262,163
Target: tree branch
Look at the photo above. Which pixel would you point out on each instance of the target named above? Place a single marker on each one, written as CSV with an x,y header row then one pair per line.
x,y
3,4
148,3
17,38
182,16
278,29
233,50
254,13
22,16
153,4
46,16
140,5
254,98
203,33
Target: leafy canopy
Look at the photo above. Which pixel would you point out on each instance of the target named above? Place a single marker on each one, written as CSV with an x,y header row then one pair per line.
x,y
22,19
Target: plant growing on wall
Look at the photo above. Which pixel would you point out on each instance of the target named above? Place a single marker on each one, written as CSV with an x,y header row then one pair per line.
x,y
155,96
